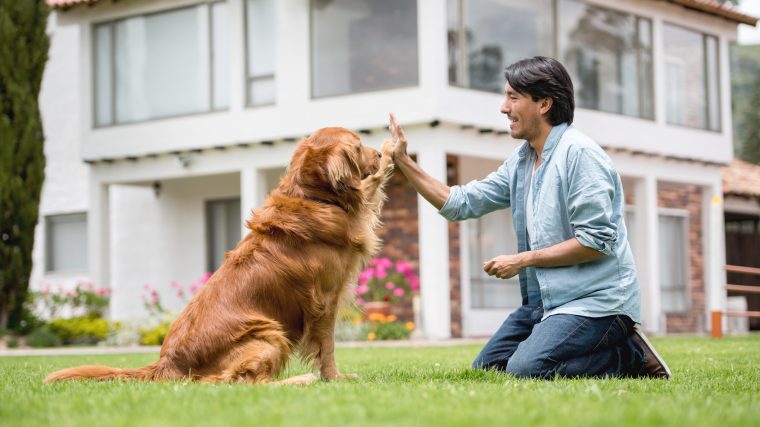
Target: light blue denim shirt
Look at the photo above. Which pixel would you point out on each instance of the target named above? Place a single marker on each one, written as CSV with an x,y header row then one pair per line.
x,y
577,193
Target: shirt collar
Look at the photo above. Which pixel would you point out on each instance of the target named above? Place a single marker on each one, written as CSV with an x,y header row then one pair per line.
x,y
551,142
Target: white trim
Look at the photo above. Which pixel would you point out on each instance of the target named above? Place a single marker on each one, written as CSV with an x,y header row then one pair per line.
x,y
434,254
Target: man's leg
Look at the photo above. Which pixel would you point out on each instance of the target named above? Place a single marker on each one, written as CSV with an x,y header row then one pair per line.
x,y
503,343
574,346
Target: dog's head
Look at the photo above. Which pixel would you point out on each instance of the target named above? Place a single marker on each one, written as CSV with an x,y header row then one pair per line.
x,y
330,164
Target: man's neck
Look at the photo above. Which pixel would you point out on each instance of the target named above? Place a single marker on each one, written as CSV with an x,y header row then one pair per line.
x,y
537,143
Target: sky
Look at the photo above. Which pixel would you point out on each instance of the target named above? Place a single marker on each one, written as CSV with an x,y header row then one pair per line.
x,y
747,34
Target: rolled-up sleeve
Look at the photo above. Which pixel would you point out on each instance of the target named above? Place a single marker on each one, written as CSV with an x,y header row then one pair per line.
x,y
478,198
591,191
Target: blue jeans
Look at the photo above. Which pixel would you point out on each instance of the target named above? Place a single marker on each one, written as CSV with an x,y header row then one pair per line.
x,y
564,345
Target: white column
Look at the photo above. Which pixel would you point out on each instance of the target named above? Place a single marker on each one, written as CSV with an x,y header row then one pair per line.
x,y
251,194
434,254
98,234
646,252
658,61
714,251
237,79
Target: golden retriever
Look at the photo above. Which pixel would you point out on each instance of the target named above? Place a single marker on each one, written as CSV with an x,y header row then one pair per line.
x,y
279,290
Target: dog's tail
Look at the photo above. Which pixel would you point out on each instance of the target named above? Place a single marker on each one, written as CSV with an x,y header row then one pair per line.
x,y
154,372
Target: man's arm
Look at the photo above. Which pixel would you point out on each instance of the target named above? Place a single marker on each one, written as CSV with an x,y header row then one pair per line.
x,y
569,252
430,188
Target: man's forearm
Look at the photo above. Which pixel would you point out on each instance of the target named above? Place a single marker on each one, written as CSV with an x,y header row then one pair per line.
x,y
428,187
569,252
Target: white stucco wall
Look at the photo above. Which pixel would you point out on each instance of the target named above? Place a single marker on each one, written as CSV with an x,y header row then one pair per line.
x,y
160,239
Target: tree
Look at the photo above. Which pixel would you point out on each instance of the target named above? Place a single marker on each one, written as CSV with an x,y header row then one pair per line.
x,y
23,53
751,116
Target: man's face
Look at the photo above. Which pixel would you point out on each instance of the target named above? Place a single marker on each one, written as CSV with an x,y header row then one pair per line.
x,y
523,112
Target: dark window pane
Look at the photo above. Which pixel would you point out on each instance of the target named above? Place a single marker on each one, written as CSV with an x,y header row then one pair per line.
x,y
363,45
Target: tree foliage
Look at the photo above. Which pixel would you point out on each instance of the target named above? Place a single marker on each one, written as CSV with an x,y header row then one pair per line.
x,y
750,150
23,52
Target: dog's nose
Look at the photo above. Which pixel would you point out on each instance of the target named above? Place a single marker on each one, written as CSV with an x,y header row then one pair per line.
x,y
379,154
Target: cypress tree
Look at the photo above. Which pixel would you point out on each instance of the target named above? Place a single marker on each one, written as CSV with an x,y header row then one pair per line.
x,y
23,52
751,141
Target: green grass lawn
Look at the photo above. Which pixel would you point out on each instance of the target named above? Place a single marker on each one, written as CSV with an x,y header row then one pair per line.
x,y
715,383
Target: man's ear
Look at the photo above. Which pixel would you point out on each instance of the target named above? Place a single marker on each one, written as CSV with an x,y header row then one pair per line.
x,y
545,105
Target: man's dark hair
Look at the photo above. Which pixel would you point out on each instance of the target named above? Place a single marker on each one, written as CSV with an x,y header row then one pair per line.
x,y
542,77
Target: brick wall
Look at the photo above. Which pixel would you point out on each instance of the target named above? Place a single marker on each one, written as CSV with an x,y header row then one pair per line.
x,y
400,236
454,257
400,232
689,198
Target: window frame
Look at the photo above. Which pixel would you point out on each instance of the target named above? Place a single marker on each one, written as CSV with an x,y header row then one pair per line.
x,y
311,67
207,204
685,218
111,23
705,84
48,258
247,77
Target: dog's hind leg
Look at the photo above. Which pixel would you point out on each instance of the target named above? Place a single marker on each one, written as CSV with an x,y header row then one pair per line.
x,y
261,353
256,361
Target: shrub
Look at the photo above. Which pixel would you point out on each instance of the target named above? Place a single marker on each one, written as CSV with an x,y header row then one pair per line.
x,y
83,300
43,337
381,327
154,335
12,342
385,281
81,330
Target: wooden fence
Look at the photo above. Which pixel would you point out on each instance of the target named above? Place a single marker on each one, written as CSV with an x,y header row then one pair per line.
x,y
717,316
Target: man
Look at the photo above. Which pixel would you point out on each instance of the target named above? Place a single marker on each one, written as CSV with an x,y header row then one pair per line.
x,y
577,275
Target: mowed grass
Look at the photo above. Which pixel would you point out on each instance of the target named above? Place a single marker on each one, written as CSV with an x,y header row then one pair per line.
x,y
716,382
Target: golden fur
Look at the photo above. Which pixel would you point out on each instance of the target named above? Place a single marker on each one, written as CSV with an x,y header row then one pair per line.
x,y
278,291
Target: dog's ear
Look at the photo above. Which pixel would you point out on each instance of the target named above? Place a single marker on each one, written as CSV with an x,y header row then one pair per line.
x,y
342,172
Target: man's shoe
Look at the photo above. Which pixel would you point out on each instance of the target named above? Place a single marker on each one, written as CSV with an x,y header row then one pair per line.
x,y
655,365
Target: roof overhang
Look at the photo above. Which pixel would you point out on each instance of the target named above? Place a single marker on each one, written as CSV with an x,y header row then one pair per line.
x,y
710,7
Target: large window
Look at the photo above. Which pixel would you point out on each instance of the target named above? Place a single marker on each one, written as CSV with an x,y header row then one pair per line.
x,y
609,57
161,65
66,243
260,51
691,76
223,228
674,253
490,236
485,36
362,45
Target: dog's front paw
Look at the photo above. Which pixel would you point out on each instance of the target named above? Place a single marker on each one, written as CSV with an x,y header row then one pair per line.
x,y
387,148
341,377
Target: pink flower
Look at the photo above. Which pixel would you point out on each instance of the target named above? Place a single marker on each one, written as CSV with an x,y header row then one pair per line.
x,y
380,272
100,292
414,283
194,288
154,297
403,268
175,284
363,289
389,285
207,275
181,293
360,301
365,276
398,292
384,262
146,287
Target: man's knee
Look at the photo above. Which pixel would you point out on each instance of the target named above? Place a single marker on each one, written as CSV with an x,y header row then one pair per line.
x,y
485,363
522,367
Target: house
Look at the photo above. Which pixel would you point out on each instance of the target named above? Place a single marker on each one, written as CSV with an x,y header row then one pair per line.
x,y
741,190
167,121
